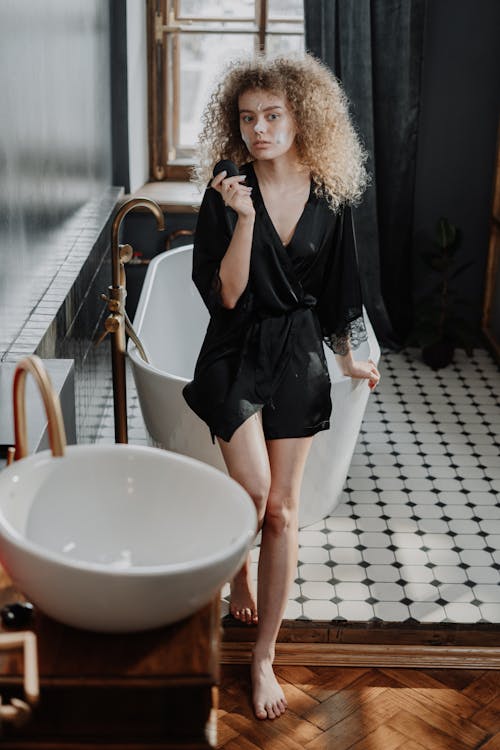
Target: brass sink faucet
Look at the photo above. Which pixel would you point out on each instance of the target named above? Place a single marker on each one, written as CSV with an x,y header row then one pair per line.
x,y
115,322
57,435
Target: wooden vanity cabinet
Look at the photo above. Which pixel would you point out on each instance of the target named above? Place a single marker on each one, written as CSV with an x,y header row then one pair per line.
x,y
147,690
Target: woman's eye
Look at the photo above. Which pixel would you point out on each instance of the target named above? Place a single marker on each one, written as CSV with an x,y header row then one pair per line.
x,y
274,116
247,118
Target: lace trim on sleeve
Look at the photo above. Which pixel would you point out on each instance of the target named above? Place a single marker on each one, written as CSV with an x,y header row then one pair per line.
x,y
354,332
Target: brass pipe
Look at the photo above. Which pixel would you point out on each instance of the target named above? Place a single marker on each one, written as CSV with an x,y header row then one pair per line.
x,y
57,434
120,254
117,221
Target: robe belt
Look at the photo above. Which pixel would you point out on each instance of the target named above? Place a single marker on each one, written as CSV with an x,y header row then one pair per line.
x,y
270,337
306,301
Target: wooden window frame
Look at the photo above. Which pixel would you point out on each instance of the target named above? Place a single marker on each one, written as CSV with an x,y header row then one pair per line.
x,y
489,325
163,27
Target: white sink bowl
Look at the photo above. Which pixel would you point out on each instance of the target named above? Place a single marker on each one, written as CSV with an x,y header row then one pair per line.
x,y
121,538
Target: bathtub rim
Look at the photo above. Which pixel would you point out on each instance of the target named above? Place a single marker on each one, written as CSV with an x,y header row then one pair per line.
x,y
140,313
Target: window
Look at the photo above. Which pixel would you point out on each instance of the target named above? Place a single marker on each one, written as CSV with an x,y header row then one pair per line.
x,y
189,41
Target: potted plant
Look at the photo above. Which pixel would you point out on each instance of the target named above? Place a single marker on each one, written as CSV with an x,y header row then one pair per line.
x,y
440,323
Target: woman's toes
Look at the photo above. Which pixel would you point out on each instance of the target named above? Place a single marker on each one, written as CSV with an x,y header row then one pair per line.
x,y
242,597
267,692
270,711
245,614
260,711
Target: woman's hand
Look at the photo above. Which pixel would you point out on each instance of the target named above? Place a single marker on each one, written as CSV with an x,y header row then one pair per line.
x,y
363,369
234,194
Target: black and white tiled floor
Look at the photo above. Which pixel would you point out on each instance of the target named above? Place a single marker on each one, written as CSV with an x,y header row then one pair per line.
x,y
417,535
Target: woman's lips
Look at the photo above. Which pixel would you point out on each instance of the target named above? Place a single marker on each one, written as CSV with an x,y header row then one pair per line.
x,y
260,144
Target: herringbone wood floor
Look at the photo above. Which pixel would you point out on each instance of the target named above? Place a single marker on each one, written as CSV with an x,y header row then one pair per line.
x,y
336,708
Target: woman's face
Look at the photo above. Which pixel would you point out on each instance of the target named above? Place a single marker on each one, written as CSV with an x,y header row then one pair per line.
x,y
266,123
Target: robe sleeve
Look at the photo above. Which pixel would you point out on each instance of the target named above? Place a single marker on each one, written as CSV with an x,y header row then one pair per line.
x,y
339,306
211,240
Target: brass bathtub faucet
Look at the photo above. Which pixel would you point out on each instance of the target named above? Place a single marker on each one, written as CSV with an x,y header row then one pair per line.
x,y
116,321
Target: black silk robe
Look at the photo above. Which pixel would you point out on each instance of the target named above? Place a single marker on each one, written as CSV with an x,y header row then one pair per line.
x,y
297,296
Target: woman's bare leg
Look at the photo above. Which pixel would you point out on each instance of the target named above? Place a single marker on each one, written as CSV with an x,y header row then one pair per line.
x,y
247,461
277,567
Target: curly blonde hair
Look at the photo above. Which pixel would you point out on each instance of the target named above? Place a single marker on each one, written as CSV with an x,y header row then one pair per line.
x,y
327,142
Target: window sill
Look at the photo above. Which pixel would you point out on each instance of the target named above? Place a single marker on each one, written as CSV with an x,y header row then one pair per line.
x,y
174,197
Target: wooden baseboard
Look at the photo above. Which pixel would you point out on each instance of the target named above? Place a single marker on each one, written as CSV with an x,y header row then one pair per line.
x,y
371,644
368,655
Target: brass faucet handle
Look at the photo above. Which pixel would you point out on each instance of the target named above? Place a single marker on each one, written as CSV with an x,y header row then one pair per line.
x,y
101,338
111,325
126,253
113,304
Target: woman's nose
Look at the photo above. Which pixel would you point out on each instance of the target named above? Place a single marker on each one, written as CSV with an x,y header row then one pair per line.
x,y
259,127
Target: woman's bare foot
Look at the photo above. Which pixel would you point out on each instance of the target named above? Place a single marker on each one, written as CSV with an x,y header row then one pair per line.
x,y
268,698
243,605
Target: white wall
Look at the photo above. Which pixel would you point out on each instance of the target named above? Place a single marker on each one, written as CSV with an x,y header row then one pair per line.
x,y
137,89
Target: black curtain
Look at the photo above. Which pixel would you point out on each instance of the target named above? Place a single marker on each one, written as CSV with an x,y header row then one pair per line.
x,y
375,48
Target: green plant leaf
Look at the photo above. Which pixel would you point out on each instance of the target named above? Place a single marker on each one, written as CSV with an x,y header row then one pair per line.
x,y
446,233
461,269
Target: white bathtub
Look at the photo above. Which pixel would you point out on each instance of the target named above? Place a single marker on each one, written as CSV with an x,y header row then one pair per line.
x,y
170,321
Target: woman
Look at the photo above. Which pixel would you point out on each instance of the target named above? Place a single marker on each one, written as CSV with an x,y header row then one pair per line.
x,y
275,263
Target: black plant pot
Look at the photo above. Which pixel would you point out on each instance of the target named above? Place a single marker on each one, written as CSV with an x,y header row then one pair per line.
x,y
439,354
